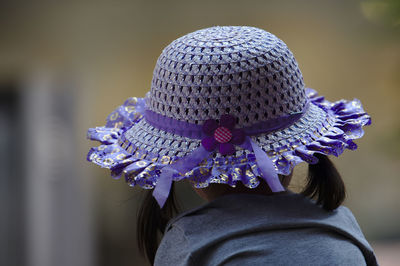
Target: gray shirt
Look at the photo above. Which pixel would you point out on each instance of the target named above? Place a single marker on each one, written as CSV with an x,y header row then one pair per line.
x,y
281,229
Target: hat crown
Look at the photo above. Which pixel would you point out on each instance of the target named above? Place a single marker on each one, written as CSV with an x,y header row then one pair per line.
x,y
243,71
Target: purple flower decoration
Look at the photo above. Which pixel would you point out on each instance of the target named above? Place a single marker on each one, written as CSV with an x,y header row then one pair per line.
x,y
222,135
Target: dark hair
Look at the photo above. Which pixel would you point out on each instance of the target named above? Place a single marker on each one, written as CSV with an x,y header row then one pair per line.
x,y
325,184
152,221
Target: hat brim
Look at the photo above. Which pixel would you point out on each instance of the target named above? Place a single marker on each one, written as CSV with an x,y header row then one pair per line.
x,y
133,147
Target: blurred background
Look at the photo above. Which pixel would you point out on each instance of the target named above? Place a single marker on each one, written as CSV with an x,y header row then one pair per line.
x,y
65,65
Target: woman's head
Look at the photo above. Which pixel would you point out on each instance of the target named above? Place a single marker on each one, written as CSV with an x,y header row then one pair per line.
x,y
228,105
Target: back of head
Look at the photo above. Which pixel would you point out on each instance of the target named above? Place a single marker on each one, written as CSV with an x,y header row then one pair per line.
x,y
227,105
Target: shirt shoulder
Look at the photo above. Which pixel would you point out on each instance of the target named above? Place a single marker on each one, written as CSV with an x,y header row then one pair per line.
x,y
174,248
244,220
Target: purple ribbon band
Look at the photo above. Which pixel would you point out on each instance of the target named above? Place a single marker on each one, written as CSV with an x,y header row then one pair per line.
x,y
193,131
181,128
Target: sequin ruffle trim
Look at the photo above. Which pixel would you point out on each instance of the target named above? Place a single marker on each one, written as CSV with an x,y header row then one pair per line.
x,y
343,124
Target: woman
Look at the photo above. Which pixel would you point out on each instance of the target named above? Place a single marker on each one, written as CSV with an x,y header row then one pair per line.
x,y
228,111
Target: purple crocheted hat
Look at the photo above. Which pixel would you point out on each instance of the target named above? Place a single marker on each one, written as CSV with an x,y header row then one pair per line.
x,y
226,104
